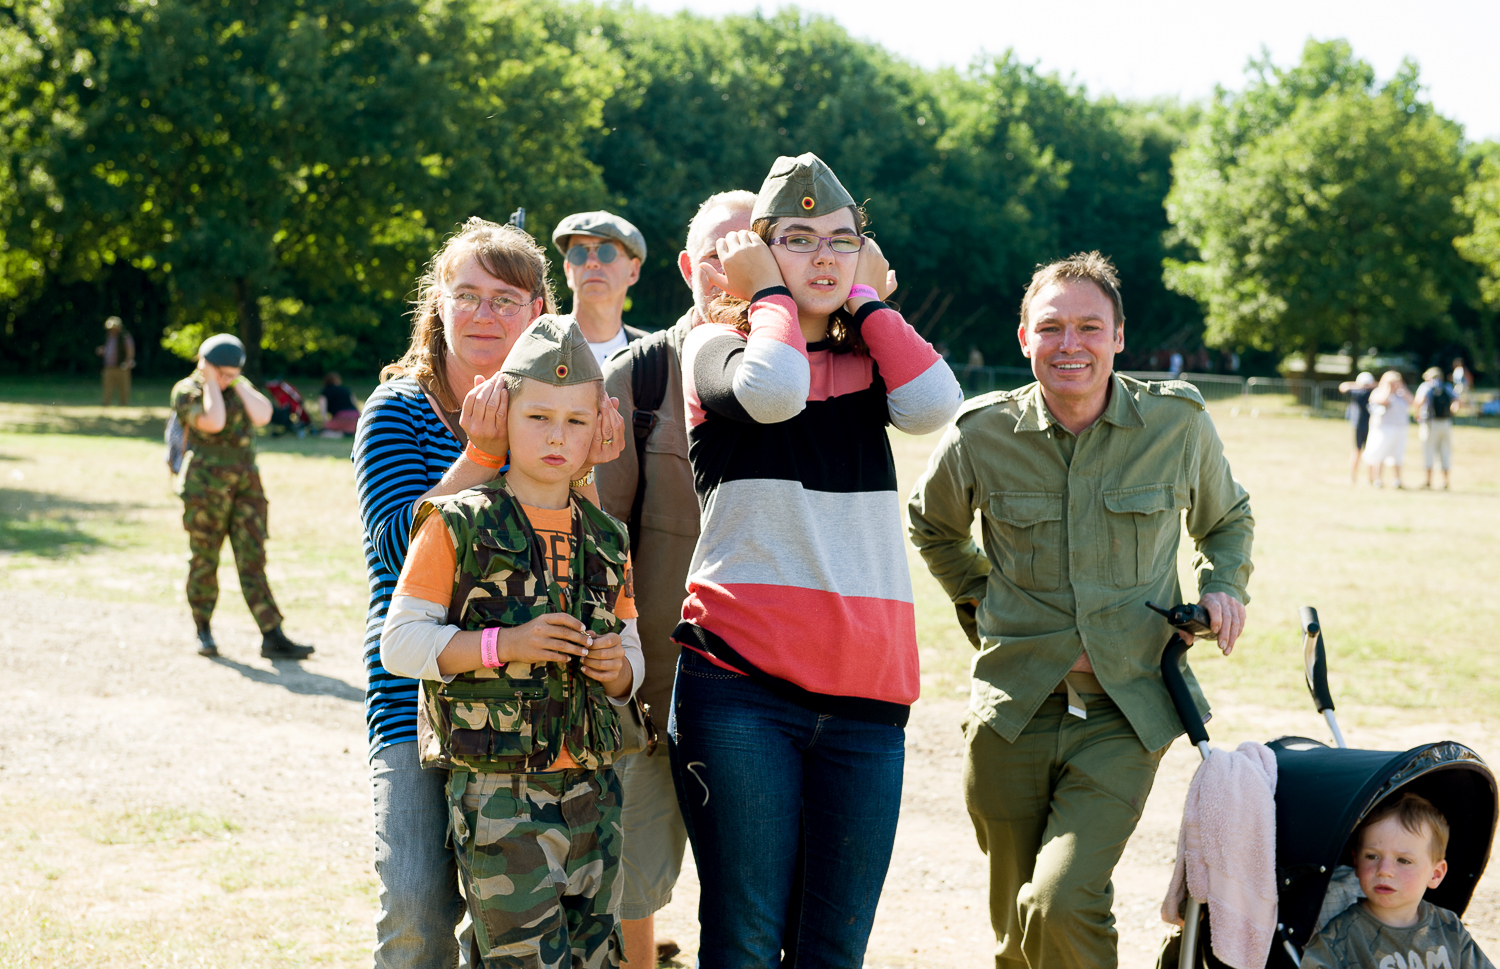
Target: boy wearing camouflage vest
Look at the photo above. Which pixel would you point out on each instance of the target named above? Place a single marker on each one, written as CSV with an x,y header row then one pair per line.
x,y
515,611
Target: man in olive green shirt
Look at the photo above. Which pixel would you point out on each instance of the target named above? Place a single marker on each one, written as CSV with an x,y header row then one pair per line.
x,y
1081,481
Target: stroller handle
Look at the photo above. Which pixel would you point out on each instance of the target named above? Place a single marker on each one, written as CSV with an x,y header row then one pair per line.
x,y
1315,659
1177,689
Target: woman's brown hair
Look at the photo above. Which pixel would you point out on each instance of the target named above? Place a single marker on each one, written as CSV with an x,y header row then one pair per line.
x,y
503,251
841,336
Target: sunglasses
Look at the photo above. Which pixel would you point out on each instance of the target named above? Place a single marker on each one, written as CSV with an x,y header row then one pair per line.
x,y
578,253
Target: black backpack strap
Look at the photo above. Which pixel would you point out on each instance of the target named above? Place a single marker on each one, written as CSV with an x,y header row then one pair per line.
x,y
648,385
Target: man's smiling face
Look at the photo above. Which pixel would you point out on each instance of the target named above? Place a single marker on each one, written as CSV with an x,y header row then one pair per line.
x,y
1071,339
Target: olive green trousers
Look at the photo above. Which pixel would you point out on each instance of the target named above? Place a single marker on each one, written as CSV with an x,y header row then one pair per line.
x,y
1053,811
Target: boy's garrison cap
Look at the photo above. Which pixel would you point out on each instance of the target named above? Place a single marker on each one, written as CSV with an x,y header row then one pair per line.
x,y
605,225
804,185
553,350
223,350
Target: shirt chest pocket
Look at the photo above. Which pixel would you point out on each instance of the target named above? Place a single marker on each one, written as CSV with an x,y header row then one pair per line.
x,y
1143,528
1028,529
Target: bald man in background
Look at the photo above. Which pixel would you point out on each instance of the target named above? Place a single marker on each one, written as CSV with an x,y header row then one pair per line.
x,y
650,488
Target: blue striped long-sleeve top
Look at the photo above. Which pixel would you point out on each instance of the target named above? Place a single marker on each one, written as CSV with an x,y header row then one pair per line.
x,y
401,450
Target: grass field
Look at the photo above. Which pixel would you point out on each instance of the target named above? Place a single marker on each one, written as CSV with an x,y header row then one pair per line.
x,y
159,810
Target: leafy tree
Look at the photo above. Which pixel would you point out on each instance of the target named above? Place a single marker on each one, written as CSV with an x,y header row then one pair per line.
x,y
1482,204
1322,208
285,166
707,105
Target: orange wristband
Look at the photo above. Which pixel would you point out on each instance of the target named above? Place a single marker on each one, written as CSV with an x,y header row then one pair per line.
x,y
483,459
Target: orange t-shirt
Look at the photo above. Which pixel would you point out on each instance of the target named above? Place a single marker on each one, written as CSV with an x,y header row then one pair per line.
x,y
431,561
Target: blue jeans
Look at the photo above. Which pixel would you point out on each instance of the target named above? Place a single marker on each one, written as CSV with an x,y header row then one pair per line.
x,y
420,906
792,817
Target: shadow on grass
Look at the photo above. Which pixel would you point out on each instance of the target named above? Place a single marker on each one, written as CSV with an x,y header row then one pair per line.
x,y
47,525
136,422
290,675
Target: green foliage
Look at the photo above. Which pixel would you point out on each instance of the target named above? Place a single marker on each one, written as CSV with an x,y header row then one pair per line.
x,y
1482,205
1322,208
285,167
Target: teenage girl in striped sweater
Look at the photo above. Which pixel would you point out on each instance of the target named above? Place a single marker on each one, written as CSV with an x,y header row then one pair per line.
x,y
800,664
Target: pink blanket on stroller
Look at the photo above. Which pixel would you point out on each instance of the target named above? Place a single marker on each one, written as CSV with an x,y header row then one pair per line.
x,y
1226,853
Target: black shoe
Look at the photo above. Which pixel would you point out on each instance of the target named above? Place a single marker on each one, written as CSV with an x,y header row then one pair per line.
x,y
206,644
275,645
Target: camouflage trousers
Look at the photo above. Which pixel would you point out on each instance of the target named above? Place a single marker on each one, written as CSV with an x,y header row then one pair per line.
x,y
539,858
220,501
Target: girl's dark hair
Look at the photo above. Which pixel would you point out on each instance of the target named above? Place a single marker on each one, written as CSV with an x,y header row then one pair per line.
x,y
842,337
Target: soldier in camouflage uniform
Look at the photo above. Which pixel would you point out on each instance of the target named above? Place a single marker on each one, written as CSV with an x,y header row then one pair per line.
x,y
221,493
526,669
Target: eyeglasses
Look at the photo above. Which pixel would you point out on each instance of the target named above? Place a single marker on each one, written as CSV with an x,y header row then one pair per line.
x,y
578,253
466,303
807,242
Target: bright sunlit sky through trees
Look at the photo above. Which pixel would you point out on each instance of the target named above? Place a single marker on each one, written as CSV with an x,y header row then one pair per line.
x,y
1146,48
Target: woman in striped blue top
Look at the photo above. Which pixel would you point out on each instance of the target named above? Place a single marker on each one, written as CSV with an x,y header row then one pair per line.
x,y
481,290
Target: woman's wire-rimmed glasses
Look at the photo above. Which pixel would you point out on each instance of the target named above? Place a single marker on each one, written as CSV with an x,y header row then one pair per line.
x,y
807,242
466,303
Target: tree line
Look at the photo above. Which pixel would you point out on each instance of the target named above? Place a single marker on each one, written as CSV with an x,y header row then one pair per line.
x,y
283,168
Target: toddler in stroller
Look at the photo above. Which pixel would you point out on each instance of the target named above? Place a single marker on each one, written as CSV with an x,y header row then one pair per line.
x,y
1401,855
1331,805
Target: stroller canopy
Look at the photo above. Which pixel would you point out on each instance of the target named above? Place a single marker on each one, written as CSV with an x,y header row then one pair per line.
x,y
1322,794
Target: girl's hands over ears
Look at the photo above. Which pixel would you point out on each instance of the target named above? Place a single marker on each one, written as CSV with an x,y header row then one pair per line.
x,y
749,265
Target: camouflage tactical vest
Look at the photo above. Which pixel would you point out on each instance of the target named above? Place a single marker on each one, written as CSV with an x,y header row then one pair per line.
x,y
521,717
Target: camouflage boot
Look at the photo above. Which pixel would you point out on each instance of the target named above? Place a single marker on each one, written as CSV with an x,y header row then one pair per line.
x,y
275,645
206,644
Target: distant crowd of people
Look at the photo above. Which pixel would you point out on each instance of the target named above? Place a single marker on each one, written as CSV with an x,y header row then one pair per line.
x,y
1381,413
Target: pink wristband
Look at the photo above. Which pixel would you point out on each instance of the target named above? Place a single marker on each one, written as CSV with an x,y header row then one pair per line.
x,y
862,291
489,647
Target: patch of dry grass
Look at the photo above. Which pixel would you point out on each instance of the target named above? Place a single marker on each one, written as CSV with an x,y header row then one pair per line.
x,y
1404,582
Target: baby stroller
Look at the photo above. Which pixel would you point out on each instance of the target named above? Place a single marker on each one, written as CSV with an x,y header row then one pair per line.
x,y
1322,794
288,410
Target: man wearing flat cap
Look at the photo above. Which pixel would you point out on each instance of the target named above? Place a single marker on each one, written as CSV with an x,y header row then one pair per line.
x,y
602,256
221,493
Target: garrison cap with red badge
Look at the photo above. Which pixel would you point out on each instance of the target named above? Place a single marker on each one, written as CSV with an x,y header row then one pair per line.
x,y
554,351
804,185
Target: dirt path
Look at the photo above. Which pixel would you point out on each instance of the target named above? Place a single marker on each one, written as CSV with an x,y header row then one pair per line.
x,y
162,809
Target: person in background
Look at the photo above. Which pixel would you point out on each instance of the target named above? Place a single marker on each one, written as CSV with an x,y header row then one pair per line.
x,y
1390,411
650,488
118,353
1460,379
1436,403
602,260
221,493
337,405
1358,413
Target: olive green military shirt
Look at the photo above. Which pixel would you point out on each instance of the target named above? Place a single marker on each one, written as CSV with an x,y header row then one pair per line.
x,y
1079,533
234,444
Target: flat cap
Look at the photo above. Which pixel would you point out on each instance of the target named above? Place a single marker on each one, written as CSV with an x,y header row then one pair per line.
x,y
223,350
553,350
804,185
605,225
